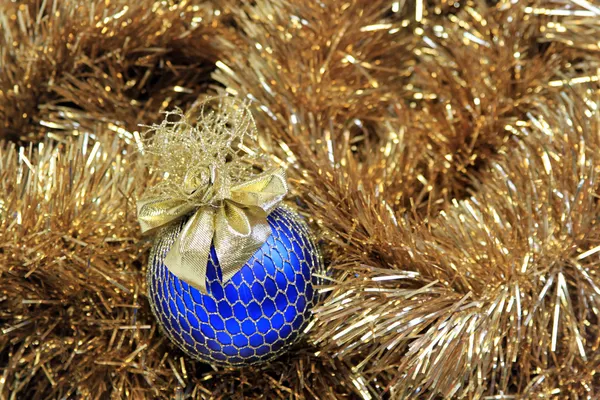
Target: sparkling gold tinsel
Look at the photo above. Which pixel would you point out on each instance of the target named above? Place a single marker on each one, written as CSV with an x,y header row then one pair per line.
x,y
446,154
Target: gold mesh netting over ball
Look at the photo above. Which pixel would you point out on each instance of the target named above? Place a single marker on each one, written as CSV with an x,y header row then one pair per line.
x,y
258,314
444,154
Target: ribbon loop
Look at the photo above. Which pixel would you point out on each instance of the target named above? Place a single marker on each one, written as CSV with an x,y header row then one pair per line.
x,y
264,191
154,213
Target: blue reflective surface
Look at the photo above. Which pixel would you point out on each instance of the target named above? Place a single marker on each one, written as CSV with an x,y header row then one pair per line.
x,y
254,316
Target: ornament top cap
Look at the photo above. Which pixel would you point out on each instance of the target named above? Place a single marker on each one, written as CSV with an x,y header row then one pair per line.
x,y
210,175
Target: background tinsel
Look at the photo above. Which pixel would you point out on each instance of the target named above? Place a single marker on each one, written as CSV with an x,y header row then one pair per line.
x,y
446,154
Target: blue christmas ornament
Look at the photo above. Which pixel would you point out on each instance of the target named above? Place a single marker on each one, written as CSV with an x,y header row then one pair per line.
x,y
257,314
232,273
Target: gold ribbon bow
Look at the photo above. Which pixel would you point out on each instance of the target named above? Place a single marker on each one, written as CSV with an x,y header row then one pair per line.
x,y
230,217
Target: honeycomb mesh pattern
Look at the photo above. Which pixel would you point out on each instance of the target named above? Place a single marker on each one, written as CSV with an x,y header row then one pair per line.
x,y
257,314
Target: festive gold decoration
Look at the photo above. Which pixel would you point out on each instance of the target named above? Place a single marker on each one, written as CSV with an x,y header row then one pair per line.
x,y
445,153
229,203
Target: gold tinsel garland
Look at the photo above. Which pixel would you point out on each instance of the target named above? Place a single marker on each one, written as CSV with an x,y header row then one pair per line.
x,y
445,152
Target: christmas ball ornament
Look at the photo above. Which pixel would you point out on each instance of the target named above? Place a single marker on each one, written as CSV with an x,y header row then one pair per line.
x,y
253,317
232,272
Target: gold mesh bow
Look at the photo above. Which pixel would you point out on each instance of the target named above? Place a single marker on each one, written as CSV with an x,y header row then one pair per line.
x,y
234,220
209,178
